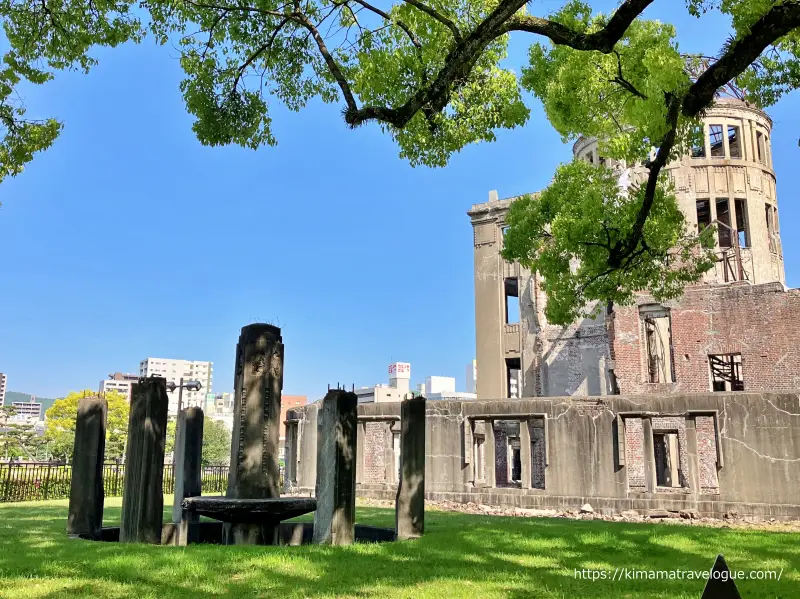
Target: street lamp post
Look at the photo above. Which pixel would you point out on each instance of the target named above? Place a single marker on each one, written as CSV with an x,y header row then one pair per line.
x,y
191,386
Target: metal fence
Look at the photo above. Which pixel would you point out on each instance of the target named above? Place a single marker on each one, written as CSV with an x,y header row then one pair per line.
x,y
34,481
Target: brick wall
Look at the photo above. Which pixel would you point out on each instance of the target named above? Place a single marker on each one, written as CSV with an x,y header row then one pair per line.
x,y
500,457
758,321
634,454
376,438
707,454
538,463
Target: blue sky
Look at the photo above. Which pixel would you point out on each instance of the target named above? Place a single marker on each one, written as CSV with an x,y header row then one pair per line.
x,y
129,239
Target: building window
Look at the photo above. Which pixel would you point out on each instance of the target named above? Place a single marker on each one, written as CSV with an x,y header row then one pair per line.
x,y
590,157
742,228
511,287
734,141
658,344
667,459
513,378
703,214
724,220
770,216
715,135
726,372
760,148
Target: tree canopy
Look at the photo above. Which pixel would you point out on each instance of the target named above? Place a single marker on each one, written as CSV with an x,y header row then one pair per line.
x,y
432,74
61,417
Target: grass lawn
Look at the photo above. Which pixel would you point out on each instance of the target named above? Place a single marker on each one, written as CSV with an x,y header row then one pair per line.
x,y
460,556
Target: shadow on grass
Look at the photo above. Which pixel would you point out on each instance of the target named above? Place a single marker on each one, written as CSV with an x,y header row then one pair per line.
x,y
459,556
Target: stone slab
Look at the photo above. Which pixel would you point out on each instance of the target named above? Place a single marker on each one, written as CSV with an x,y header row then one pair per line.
x,y
337,425
86,495
143,493
410,500
254,511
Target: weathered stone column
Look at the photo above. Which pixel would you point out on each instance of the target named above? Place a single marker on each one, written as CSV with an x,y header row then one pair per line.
x,y
254,471
334,520
525,454
490,454
188,470
143,494
86,488
410,502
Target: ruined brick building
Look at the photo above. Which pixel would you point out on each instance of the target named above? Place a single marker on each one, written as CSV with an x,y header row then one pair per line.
x,y
708,412
732,332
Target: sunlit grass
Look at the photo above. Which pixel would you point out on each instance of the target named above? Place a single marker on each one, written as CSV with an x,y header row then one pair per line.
x,y
459,556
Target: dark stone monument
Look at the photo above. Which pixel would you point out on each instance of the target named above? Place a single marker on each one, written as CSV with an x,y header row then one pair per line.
x,y
720,585
86,489
188,471
254,471
410,502
337,421
143,495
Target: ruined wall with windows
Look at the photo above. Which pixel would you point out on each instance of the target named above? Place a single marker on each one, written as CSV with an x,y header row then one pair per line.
x,y
726,182
712,452
714,338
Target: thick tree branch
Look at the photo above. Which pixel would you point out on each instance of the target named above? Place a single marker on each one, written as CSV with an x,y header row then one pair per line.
x,y
438,16
332,65
628,248
463,56
601,41
779,20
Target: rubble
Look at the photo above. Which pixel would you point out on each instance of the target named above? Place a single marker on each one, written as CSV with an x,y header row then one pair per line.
x,y
673,517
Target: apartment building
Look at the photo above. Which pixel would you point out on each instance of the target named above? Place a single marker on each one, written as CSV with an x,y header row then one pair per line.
x,y
174,371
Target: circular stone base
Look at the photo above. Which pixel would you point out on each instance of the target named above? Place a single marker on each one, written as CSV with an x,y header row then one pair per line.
x,y
289,533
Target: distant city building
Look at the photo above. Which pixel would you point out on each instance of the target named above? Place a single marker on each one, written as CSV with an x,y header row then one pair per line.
x,y
440,384
173,371
3,381
218,403
27,411
119,382
444,387
472,377
288,402
397,389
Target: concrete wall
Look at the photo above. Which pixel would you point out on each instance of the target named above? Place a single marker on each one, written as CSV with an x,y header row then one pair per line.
x,y
738,452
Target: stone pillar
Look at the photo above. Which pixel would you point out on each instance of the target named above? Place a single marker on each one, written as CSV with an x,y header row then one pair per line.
x,y
489,452
254,471
86,488
410,502
188,469
334,520
143,494
525,454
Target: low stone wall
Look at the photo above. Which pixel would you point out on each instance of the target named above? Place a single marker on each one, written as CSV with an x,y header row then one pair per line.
x,y
713,453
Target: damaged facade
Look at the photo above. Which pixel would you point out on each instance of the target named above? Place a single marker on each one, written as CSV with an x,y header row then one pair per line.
x,y
690,405
731,332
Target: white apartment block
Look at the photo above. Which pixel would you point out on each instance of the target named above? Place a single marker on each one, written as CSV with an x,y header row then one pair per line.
x,y
3,381
120,383
173,371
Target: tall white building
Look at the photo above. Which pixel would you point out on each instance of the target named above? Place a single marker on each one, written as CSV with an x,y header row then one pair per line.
x,y
173,371
3,381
